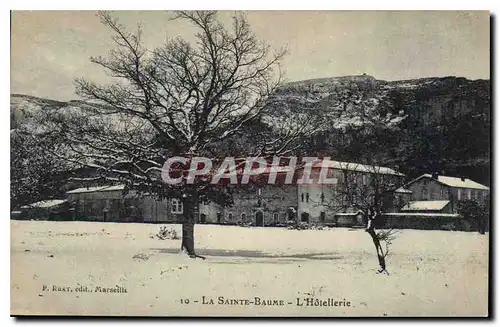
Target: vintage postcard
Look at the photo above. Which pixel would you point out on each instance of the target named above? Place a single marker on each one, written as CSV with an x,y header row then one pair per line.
x,y
250,163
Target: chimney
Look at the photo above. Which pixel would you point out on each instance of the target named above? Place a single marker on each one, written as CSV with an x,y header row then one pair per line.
x,y
435,175
462,178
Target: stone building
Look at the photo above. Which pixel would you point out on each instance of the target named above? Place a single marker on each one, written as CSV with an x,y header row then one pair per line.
x,y
257,204
54,209
338,204
436,193
114,203
104,203
263,205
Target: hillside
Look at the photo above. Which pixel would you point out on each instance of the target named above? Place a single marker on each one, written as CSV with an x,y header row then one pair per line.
x,y
446,126
404,95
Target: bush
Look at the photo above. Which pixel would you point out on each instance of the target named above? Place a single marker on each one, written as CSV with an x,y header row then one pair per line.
x,y
477,214
245,223
297,225
166,233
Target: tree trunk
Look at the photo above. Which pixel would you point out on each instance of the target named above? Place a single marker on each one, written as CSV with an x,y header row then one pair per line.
x,y
370,229
188,237
189,202
378,247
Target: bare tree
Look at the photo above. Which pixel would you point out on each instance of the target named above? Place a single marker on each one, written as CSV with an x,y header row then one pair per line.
x,y
179,99
367,190
366,122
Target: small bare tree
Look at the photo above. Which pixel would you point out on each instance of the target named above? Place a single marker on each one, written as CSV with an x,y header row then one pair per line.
x,y
180,99
367,190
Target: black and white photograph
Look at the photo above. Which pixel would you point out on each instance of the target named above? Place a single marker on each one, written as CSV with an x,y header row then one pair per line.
x,y
231,163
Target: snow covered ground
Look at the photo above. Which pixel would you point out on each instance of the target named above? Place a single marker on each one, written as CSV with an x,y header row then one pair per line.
x,y
56,265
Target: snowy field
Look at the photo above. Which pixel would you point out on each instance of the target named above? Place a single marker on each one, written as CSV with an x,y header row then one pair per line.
x,y
56,265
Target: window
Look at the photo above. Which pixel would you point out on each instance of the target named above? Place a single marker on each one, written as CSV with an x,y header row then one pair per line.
x,y
259,203
322,197
177,206
230,217
364,180
302,197
275,217
307,197
219,217
243,217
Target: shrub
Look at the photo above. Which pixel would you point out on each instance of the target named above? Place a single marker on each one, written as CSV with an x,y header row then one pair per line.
x,y
297,225
477,214
245,223
167,233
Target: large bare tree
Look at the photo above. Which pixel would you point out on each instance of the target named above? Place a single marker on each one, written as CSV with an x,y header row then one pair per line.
x,y
180,99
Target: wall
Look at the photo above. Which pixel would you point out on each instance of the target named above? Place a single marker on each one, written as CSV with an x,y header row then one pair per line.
x,y
424,221
312,203
106,206
266,199
158,211
434,190
211,210
57,213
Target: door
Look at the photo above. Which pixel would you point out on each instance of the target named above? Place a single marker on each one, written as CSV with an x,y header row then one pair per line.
x,y
322,216
304,217
203,218
259,218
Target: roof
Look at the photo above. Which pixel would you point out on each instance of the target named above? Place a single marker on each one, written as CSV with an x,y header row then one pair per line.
x,y
355,167
425,205
403,190
97,189
454,182
44,204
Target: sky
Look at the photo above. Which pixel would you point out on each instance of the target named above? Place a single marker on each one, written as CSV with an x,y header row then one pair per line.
x,y
50,49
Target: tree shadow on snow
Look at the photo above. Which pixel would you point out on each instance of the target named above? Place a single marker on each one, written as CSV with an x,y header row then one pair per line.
x,y
283,258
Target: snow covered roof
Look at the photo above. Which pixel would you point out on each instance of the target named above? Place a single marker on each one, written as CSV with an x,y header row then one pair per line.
x,y
425,205
454,182
403,190
97,189
356,167
44,204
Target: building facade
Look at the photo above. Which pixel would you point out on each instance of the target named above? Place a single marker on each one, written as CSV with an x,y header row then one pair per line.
x,y
353,186
115,204
335,202
436,193
263,205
